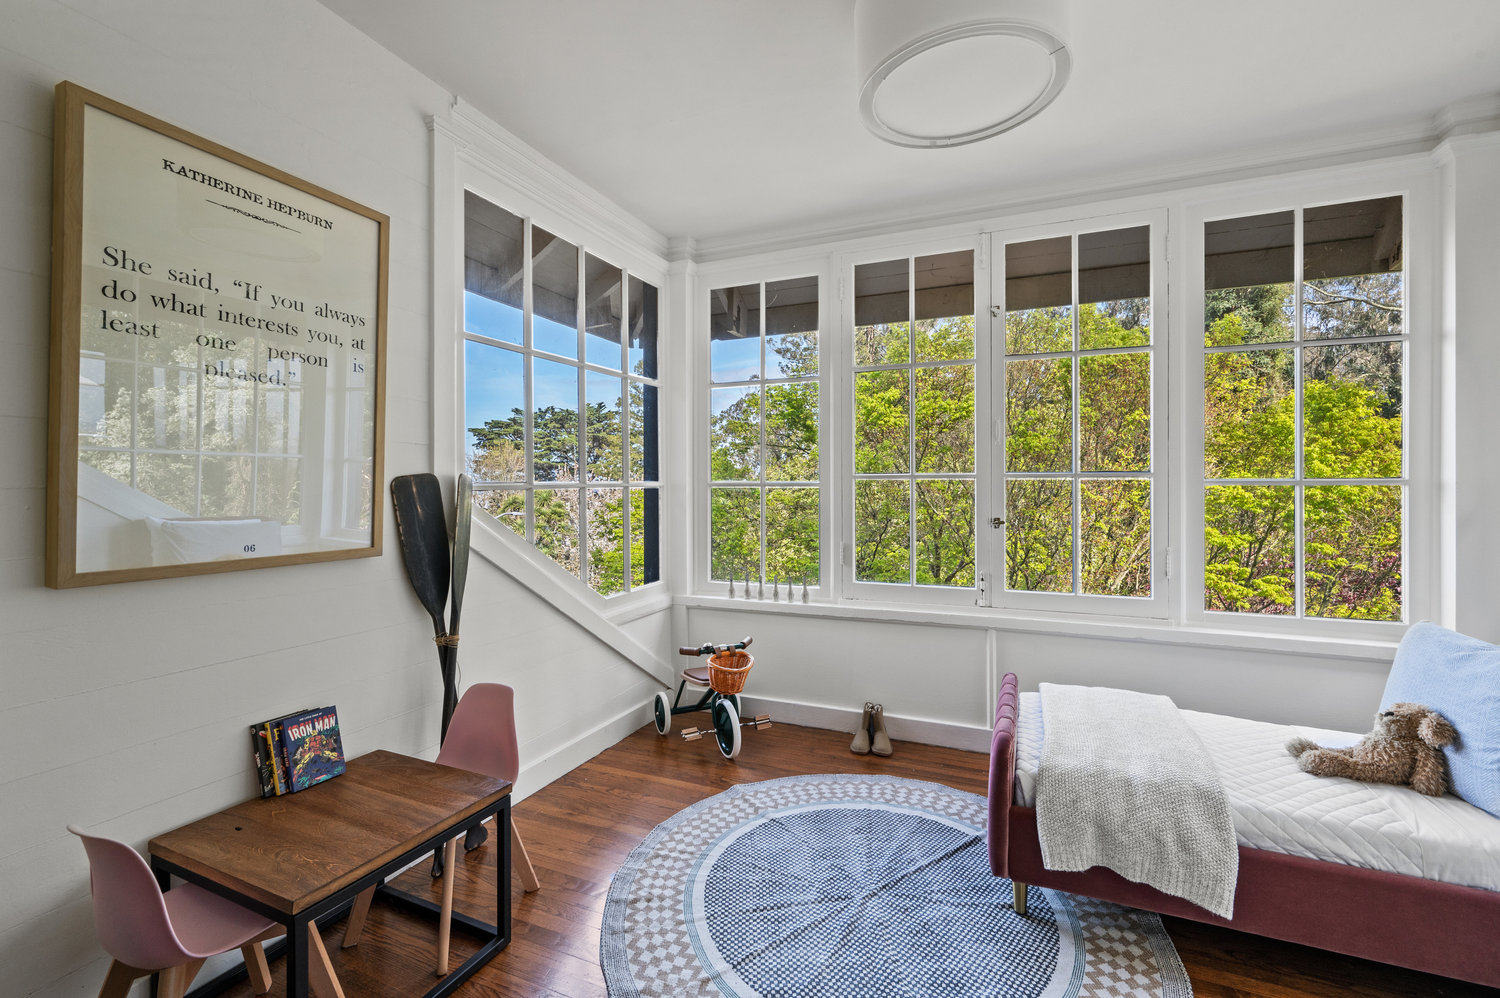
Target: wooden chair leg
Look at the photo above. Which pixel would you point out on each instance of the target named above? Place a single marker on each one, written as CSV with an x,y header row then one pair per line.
x,y
521,863
355,924
174,981
320,973
445,917
117,982
256,966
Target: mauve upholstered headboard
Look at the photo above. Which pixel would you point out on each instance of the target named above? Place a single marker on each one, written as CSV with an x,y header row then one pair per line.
x,y
1002,772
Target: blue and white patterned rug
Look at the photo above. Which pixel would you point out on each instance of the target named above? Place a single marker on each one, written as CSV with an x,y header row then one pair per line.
x,y
858,887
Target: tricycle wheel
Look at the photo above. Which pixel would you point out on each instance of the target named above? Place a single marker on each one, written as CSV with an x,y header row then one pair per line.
x,y
727,728
661,709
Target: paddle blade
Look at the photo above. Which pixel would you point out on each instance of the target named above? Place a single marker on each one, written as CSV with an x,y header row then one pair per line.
x,y
422,531
463,519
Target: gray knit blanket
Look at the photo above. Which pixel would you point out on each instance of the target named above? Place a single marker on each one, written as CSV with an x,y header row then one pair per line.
x,y
1125,784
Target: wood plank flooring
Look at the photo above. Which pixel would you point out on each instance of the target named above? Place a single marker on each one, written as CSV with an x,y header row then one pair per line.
x,y
579,829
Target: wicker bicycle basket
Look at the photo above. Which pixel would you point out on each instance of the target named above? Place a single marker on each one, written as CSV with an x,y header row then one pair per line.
x,y
727,670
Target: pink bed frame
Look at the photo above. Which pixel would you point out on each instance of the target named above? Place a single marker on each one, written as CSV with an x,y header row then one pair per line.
x,y
1408,921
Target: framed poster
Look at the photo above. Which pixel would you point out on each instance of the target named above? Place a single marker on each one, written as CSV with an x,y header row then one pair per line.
x,y
218,357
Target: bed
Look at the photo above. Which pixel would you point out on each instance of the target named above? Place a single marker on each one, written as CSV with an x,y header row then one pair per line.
x,y
1337,903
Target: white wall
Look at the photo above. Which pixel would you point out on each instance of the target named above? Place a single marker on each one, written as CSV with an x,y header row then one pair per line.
x,y
938,682
124,708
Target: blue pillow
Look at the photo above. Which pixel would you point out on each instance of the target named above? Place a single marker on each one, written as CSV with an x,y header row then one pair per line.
x,y
1459,677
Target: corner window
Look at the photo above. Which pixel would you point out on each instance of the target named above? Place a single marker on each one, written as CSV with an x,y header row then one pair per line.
x,y
560,398
1304,454
763,456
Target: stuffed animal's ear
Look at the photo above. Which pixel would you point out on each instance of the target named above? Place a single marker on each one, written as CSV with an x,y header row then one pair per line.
x,y
1436,731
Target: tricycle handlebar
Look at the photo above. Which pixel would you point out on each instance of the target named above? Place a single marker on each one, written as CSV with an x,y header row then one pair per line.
x,y
709,649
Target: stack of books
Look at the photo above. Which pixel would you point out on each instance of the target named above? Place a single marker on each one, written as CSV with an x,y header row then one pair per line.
x,y
296,751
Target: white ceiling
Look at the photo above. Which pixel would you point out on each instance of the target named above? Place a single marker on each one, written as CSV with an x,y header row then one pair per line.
x,y
725,120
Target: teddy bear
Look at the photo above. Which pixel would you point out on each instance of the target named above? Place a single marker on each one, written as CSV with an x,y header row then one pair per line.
x,y
1405,749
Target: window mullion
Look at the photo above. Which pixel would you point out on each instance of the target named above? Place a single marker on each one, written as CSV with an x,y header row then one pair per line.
x,y
764,450
911,420
1299,492
528,380
1077,373
626,575
580,307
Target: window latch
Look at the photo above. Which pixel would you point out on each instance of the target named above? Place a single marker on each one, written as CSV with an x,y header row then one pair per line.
x,y
997,522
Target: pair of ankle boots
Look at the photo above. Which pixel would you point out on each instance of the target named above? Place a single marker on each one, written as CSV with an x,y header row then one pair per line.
x,y
870,737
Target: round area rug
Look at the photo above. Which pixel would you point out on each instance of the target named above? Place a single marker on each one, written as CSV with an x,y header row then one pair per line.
x,y
858,887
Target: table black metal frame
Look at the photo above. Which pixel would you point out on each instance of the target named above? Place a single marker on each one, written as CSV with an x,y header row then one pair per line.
x,y
495,937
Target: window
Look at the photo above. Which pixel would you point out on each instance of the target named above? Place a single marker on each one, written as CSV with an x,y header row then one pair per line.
x,y
913,421
1304,458
1078,371
560,398
1000,431
158,416
763,432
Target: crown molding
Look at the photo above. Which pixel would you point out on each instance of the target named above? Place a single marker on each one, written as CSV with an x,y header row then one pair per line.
x,y
682,248
481,141
489,146
1411,136
1470,116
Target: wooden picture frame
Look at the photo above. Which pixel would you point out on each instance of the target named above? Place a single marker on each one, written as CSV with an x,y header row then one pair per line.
x,y
217,383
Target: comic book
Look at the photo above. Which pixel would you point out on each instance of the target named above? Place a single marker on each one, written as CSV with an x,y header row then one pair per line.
x,y
270,755
312,748
265,759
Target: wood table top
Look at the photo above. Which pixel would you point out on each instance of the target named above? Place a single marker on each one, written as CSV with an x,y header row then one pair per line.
x,y
292,851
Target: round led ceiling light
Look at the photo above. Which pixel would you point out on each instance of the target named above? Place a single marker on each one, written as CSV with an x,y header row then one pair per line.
x,y
937,74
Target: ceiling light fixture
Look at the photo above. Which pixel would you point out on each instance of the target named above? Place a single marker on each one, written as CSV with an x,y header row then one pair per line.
x,y
949,72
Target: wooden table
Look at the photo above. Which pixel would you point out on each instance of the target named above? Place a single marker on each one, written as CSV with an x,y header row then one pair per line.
x,y
301,858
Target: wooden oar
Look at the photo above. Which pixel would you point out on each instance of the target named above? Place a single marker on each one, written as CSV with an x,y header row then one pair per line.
x,y
422,530
463,518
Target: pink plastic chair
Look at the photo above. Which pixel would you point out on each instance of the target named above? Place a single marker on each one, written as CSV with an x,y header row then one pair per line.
x,y
482,739
147,931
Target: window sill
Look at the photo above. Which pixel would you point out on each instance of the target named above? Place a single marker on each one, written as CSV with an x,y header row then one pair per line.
x,y
638,603
1362,649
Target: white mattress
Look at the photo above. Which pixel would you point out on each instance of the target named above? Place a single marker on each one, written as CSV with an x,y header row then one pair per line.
x,y
1279,808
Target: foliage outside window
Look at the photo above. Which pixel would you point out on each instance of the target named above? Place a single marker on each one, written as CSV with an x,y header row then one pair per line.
x,y
560,398
1078,372
1304,360
763,432
913,426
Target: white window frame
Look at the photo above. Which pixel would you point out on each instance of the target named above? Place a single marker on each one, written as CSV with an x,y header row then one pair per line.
x,y
1420,419
1176,613
1158,604
530,354
707,280
472,155
843,428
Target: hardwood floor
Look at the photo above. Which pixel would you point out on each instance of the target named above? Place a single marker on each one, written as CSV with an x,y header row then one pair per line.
x,y
579,829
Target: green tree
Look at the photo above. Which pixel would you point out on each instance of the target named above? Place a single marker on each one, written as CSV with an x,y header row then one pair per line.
x,y
1351,429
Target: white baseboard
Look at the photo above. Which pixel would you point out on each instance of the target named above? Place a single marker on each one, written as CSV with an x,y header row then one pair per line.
x,y
906,729
574,753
